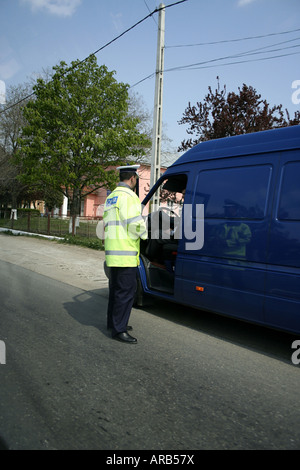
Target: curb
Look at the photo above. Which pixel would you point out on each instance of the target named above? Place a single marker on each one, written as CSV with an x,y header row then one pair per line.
x,y
19,232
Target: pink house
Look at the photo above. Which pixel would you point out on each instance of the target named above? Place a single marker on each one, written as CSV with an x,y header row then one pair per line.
x,y
92,205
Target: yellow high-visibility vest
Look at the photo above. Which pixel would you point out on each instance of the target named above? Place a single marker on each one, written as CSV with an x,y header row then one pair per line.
x,y
124,227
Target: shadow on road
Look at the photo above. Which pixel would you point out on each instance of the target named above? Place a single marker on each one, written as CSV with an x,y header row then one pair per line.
x,y
273,343
89,308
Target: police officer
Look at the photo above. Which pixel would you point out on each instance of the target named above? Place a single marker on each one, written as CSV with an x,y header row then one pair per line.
x,y
124,227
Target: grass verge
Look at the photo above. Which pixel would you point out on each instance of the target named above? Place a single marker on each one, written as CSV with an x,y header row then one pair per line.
x,y
93,243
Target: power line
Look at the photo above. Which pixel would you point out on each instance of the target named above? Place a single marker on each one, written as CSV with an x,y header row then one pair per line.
x,y
233,40
150,11
202,65
260,50
241,54
272,45
244,61
129,29
143,79
100,49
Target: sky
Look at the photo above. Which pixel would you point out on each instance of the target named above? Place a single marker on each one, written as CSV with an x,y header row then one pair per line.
x,y
38,34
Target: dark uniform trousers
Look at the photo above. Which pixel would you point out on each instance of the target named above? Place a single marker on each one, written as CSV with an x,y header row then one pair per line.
x,y
122,287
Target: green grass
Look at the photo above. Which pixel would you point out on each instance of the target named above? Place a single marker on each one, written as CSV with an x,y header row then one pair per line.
x,y
93,243
85,233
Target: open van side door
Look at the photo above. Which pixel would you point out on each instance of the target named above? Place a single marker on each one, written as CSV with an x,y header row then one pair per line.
x,y
158,255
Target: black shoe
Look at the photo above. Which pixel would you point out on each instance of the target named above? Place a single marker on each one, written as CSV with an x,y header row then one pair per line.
x,y
125,338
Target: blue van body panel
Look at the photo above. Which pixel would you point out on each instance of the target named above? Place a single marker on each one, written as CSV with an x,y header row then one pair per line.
x,y
258,279
240,145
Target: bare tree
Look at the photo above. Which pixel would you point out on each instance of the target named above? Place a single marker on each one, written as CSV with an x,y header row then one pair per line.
x,y
11,124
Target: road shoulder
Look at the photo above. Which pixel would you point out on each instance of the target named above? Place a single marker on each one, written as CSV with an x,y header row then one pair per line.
x,y
77,266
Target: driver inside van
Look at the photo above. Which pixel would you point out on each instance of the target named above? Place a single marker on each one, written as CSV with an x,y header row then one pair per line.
x,y
164,224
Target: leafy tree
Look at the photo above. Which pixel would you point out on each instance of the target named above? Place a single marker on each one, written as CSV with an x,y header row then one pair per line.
x,y
53,199
223,114
12,191
78,126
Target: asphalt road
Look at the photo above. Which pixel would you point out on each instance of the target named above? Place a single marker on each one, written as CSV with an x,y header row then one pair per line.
x,y
193,381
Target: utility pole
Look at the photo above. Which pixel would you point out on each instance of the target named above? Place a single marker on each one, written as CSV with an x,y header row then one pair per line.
x,y
158,99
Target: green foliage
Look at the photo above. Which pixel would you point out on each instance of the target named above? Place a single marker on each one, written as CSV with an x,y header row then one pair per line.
x,y
24,212
77,128
94,243
53,198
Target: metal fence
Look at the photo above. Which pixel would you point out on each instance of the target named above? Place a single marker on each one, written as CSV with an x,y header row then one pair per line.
x,y
49,225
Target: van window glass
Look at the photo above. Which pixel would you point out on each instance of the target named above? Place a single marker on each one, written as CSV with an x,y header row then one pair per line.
x,y
234,192
289,205
171,193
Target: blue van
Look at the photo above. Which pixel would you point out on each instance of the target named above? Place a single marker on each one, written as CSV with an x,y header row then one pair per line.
x,y
248,264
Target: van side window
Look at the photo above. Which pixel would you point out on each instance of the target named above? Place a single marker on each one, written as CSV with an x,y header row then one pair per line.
x,y
289,205
243,189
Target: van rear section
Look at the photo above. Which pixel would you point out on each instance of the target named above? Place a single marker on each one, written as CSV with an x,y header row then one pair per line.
x,y
226,236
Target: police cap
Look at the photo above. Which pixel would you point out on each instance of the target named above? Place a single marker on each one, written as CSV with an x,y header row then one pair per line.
x,y
129,168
